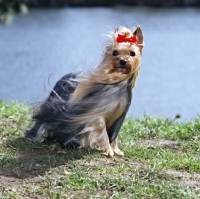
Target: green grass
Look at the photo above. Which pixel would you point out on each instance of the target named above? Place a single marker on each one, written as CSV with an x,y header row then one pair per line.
x,y
162,160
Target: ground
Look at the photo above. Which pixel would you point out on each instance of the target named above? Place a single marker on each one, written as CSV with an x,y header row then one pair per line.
x,y
161,161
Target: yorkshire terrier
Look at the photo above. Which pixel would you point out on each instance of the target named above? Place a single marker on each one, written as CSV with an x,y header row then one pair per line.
x,y
88,109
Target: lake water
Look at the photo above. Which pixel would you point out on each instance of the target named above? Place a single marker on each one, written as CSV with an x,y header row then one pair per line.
x,y
37,49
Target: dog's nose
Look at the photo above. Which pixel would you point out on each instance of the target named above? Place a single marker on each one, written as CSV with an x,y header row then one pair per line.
x,y
123,62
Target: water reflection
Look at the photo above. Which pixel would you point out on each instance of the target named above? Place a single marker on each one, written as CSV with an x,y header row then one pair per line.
x,y
38,49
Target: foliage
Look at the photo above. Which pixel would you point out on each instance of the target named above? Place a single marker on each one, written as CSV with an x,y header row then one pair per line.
x,y
9,7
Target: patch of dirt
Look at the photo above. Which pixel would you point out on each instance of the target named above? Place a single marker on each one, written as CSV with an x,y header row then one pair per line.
x,y
162,143
99,161
132,163
35,160
111,162
13,182
185,178
31,165
7,172
191,183
21,179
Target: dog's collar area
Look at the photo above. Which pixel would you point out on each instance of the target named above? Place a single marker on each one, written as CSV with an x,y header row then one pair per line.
x,y
121,38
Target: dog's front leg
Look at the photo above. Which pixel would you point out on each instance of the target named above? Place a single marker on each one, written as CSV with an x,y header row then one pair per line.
x,y
108,151
116,149
98,138
104,143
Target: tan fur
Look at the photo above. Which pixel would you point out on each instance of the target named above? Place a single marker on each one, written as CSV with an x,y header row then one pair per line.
x,y
96,137
115,148
108,72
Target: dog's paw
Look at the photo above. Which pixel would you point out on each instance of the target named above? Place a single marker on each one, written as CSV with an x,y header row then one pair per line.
x,y
118,152
109,153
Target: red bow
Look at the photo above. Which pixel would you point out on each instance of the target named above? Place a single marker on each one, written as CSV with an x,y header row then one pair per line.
x,y
122,38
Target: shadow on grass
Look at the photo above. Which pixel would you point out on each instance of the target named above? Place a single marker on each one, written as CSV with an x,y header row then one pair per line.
x,y
30,159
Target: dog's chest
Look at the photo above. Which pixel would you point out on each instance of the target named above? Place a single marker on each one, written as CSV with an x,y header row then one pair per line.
x,y
119,105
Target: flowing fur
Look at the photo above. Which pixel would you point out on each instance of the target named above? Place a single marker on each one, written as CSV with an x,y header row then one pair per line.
x,y
88,109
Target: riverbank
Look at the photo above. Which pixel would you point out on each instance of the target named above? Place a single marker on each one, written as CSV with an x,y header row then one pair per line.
x,y
156,3
7,8
161,161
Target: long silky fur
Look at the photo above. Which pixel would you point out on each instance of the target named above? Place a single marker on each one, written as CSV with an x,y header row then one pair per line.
x,y
88,109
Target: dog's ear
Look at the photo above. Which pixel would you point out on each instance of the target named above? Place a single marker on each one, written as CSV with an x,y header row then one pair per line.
x,y
115,35
140,37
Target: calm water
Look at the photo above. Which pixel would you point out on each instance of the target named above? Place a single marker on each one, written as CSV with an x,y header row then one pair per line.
x,y
36,50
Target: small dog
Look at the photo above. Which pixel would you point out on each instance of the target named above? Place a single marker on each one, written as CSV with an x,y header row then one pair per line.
x,y
88,109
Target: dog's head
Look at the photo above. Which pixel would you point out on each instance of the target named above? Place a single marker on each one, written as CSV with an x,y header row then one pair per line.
x,y
123,55
121,61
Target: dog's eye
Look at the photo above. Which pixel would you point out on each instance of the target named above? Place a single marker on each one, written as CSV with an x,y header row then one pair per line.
x,y
115,53
132,54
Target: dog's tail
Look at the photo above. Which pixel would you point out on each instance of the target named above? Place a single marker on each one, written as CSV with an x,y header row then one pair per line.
x,y
49,115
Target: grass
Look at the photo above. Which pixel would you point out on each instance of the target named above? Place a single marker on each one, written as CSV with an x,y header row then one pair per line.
x,y
161,161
